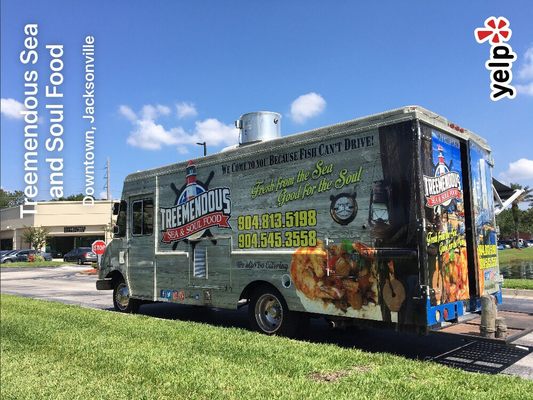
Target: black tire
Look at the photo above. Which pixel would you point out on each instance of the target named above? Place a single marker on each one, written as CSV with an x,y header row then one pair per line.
x,y
8,261
80,262
268,313
122,300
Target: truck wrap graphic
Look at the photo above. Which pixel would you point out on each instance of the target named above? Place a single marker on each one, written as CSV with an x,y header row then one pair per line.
x,y
444,213
365,220
197,209
484,225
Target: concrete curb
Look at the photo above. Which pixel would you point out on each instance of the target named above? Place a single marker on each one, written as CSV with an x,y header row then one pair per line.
x,y
517,293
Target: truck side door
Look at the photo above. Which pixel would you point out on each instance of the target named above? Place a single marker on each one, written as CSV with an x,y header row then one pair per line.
x,y
141,246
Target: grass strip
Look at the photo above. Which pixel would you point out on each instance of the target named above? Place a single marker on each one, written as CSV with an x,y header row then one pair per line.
x,y
513,255
34,264
509,283
52,350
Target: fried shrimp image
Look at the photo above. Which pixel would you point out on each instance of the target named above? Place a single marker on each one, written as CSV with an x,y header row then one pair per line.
x,y
343,275
308,272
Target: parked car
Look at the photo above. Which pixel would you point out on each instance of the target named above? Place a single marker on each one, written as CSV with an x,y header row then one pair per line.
x,y
81,255
6,257
46,256
501,246
23,255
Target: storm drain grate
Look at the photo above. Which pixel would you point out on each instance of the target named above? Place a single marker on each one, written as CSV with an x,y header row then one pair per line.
x,y
485,357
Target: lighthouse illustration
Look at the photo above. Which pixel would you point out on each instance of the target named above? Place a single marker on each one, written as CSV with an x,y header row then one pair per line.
x,y
441,168
191,189
190,179
443,189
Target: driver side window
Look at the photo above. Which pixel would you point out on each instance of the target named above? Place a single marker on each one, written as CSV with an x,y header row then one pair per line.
x,y
121,219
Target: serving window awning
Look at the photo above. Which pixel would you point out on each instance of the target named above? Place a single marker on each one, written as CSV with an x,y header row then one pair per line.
x,y
503,195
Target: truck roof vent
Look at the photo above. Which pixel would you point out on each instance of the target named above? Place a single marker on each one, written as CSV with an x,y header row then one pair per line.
x,y
258,126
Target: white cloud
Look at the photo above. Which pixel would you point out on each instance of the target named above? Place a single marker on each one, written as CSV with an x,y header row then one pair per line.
x,y
150,112
526,89
526,70
150,135
307,106
11,108
127,112
525,74
185,110
518,170
215,132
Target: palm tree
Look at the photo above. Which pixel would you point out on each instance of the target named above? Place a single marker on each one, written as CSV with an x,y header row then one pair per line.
x,y
526,196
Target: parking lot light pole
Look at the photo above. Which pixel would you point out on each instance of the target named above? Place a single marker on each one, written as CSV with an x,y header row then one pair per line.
x,y
205,147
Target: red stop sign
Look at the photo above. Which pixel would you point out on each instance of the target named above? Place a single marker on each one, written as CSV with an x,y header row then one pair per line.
x,y
98,247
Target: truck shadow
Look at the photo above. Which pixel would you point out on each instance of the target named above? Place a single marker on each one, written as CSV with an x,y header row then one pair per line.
x,y
450,350
404,344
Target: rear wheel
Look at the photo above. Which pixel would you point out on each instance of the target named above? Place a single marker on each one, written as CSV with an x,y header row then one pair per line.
x,y
269,314
122,300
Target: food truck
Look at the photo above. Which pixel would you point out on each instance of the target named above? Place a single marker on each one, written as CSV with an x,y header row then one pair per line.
x,y
386,219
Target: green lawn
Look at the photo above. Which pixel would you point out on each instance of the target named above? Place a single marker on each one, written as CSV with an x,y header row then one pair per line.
x,y
509,255
55,351
35,264
518,283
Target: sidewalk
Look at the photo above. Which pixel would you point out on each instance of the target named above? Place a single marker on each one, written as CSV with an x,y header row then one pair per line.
x,y
517,293
524,367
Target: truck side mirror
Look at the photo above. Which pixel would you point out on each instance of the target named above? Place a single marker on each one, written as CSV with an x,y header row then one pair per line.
x,y
116,207
116,230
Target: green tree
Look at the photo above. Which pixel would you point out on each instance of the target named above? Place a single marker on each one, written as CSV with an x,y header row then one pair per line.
x,y
11,199
72,197
505,223
35,236
526,196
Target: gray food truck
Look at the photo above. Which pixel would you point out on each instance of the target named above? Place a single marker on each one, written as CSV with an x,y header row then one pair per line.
x,y
387,218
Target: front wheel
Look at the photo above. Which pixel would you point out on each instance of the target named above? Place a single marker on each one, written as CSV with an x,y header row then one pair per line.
x,y
122,300
268,313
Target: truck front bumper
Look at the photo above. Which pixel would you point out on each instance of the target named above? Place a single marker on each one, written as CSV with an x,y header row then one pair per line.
x,y
104,284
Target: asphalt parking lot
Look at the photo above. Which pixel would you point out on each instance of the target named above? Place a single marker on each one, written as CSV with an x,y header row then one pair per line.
x,y
70,285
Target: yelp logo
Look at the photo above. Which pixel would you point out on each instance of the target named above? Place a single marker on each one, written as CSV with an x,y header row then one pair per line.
x,y
497,32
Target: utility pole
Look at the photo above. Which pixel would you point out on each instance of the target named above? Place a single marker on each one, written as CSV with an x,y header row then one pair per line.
x,y
108,184
108,233
108,179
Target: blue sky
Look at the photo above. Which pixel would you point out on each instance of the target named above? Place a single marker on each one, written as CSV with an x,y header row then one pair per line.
x,y
315,62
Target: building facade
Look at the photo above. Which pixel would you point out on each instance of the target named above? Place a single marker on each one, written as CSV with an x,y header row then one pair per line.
x,y
69,224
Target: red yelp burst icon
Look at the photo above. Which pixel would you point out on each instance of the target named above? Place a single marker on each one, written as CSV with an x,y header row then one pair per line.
x,y
496,30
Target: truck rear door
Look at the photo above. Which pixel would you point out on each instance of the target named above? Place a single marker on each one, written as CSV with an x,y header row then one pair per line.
x,y
485,241
445,203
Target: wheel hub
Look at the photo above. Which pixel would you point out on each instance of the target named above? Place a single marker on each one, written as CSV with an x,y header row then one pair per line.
x,y
269,313
123,295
